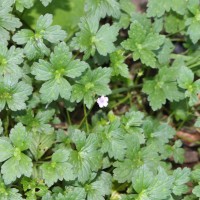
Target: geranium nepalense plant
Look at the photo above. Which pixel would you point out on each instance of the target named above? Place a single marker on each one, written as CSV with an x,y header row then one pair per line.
x,y
91,113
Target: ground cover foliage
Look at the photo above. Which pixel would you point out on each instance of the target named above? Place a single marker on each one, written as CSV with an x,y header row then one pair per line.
x,y
92,94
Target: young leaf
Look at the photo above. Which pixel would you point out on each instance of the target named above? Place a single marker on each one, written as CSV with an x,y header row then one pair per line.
x,y
143,43
58,169
117,64
101,8
35,41
8,193
185,81
164,86
14,94
33,188
39,122
92,38
10,59
92,83
61,65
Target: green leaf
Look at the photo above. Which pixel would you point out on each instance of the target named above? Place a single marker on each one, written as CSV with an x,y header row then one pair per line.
x,y
73,193
92,83
101,8
14,94
164,133
133,118
152,187
127,6
196,175
185,81
174,23
197,123
8,193
19,137
117,64
58,169
158,8
163,87
99,188
46,2
18,163
35,41
186,77
196,190
6,149
22,4
61,65
192,92
113,141
178,152
33,188
39,122
135,158
193,24
92,38
86,158
40,143
143,43
16,166
164,54
8,22
10,59
181,177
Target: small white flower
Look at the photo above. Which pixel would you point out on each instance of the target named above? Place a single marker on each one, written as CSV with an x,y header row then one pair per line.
x,y
102,101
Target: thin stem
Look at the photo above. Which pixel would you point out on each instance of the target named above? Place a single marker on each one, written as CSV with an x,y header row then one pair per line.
x,y
72,34
85,116
125,89
129,55
130,99
178,39
69,118
6,124
121,101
